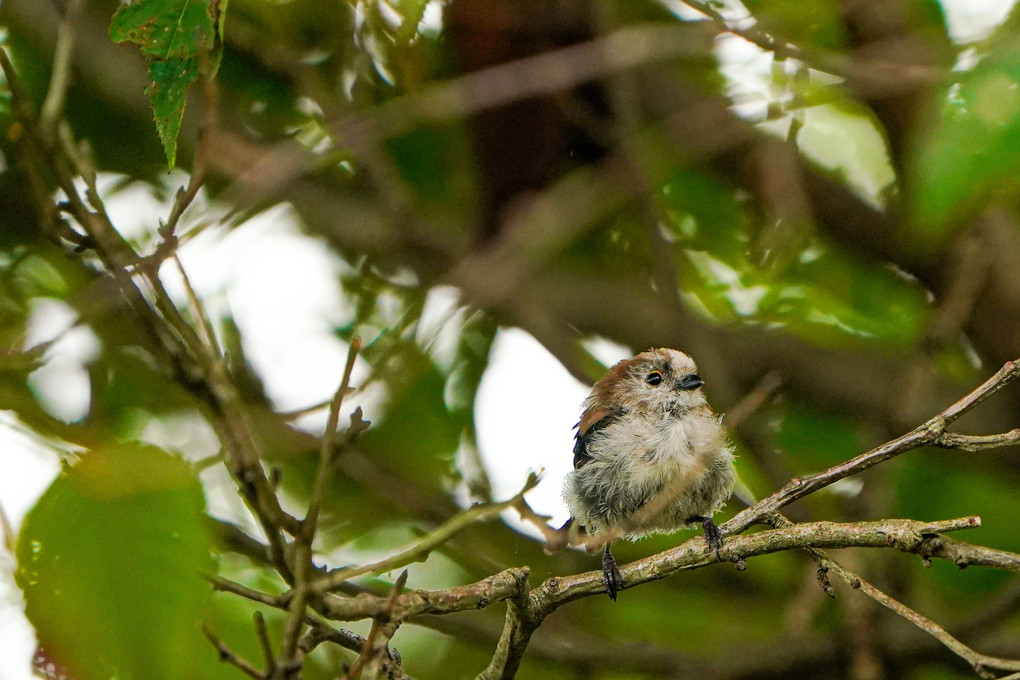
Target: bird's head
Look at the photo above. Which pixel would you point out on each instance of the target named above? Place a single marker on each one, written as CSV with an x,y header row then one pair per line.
x,y
659,380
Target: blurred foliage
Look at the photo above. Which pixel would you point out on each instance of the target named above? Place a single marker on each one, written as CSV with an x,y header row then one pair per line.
x,y
817,26
110,561
972,151
826,296
289,71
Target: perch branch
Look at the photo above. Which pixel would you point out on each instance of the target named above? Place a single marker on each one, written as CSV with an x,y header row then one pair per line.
x,y
976,442
911,536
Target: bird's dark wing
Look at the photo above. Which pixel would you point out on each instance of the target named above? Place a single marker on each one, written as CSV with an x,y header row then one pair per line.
x,y
583,437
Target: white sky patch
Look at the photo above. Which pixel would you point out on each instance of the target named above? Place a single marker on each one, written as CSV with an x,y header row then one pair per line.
x,y
27,467
847,488
748,71
284,293
526,409
135,209
186,432
431,19
607,351
440,325
62,384
971,20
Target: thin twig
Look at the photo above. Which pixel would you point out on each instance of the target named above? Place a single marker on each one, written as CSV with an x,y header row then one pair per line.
x,y
197,308
976,442
60,78
264,644
227,586
979,662
926,434
232,537
228,656
303,567
327,448
297,607
320,631
753,400
288,416
430,542
380,619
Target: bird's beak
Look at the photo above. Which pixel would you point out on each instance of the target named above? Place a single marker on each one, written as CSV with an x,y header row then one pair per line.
x,y
690,382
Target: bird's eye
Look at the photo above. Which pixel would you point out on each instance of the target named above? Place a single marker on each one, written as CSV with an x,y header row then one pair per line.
x,y
654,378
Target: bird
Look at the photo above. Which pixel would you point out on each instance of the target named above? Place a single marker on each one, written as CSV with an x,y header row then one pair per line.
x,y
650,456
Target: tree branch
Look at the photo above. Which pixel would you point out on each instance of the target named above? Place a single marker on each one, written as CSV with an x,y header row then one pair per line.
x,y
528,608
924,435
979,662
905,535
976,442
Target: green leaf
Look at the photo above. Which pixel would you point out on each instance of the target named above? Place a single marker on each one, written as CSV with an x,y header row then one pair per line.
x,y
166,29
174,35
167,91
808,24
110,561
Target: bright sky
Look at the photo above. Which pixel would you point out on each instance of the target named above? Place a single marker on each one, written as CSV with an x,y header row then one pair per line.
x,y
282,288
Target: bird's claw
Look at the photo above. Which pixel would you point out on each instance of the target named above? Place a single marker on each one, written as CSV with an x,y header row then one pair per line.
x,y
611,576
713,535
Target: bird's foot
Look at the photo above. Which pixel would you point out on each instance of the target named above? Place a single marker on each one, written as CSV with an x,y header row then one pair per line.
x,y
611,576
713,535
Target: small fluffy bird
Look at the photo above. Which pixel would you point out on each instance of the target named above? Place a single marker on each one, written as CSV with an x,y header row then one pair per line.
x,y
650,455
